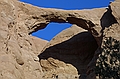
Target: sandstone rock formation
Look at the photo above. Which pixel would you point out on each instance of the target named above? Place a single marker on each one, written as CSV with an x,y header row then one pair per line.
x,y
72,47
71,53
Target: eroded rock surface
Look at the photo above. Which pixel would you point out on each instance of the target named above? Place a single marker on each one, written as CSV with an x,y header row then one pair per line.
x,y
71,53
72,47
18,50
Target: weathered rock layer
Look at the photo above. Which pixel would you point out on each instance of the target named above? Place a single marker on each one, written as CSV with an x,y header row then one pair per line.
x,y
71,53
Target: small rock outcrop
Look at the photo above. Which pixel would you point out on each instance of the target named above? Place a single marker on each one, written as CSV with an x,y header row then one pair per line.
x,y
72,54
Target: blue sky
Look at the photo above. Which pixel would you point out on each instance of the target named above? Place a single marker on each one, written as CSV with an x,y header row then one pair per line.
x,y
54,28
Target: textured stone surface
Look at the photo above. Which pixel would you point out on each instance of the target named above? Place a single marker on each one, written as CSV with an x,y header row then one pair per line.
x,y
71,53
18,50
72,47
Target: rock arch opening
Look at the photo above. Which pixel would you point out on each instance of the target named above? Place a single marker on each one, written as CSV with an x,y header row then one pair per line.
x,y
51,30
74,47
67,39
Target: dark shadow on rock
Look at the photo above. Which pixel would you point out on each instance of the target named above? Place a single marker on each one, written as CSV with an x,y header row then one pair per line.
x,y
107,19
78,51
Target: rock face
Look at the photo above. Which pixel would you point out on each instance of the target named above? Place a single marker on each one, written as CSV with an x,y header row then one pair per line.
x,y
71,53
72,47
18,50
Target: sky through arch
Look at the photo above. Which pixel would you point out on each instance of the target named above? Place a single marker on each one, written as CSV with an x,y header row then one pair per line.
x,y
54,28
51,30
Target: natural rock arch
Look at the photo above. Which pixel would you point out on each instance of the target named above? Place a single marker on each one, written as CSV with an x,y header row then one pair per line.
x,y
62,16
19,49
41,20
41,17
